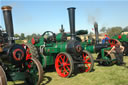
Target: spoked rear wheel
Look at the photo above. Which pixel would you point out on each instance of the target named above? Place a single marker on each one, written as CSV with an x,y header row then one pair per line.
x,y
88,62
64,64
3,79
34,72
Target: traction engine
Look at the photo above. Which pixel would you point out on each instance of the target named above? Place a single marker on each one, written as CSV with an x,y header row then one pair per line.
x,y
14,64
103,57
67,55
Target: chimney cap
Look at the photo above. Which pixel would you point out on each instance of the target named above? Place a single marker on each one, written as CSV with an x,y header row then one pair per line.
x,y
71,8
6,8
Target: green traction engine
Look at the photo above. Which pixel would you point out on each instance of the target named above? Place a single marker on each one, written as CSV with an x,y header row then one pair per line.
x,y
14,63
103,58
67,55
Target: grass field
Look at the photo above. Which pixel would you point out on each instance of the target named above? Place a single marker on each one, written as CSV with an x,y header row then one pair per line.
x,y
112,75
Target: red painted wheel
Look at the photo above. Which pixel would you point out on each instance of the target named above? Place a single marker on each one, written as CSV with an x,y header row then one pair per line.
x,y
112,42
64,65
3,79
88,62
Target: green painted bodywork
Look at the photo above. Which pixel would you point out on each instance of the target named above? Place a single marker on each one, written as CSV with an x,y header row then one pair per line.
x,y
50,49
89,42
13,74
90,48
58,37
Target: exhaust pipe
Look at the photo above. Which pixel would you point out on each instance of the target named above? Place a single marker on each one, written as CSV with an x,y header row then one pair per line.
x,y
8,23
71,12
96,32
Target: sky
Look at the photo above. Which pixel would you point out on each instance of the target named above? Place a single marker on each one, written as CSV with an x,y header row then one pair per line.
x,y
38,16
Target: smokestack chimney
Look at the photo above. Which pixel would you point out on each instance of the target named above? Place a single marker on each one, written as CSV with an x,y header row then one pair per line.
x,y
61,29
61,26
96,32
8,23
71,12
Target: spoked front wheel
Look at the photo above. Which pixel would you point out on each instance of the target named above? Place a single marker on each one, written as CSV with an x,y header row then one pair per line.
x,y
64,64
88,62
34,72
3,79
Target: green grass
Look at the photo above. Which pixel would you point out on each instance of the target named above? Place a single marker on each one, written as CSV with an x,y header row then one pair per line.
x,y
113,75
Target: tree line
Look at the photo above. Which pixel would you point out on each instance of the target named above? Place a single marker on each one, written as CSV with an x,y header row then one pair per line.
x,y
113,30
27,37
22,37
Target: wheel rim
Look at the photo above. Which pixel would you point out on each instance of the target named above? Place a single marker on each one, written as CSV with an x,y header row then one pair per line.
x,y
87,62
3,79
34,72
63,65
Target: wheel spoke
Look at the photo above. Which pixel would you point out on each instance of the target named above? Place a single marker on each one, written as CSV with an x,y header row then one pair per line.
x,y
67,60
59,65
88,66
88,62
61,58
68,68
65,70
59,61
68,64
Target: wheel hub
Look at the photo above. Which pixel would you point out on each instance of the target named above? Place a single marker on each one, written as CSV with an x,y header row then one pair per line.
x,y
63,64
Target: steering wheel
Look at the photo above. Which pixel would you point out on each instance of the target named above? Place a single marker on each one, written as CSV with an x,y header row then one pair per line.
x,y
49,36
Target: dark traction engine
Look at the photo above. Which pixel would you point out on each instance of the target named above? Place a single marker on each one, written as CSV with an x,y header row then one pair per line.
x,y
14,63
